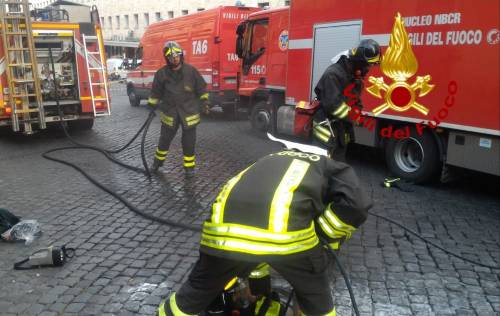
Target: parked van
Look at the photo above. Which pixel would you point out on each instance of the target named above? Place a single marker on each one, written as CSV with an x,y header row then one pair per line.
x,y
207,38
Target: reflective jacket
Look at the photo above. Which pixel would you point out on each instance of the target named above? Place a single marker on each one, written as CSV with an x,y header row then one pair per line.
x,y
331,89
277,206
178,94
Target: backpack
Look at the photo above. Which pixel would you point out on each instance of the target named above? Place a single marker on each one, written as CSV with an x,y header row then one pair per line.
x,y
7,220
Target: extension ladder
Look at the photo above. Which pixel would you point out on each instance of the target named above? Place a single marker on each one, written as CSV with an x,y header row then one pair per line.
x,y
97,74
24,97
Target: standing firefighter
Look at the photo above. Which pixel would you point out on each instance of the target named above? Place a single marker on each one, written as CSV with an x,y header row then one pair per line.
x,y
275,211
338,89
178,89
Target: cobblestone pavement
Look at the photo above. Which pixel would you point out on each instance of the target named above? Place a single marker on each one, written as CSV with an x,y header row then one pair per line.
x,y
125,264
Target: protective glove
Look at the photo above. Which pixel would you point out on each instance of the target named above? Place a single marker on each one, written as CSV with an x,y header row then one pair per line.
x,y
152,102
205,106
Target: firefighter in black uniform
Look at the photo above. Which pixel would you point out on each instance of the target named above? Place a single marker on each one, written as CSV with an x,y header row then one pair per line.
x,y
339,89
178,89
274,212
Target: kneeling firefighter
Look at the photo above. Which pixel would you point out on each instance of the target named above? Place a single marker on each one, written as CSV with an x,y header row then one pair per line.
x,y
178,89
275,211
339,89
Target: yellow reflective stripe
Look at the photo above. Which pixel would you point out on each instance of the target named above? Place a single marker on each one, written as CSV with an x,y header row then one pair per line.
x,y
273,310
230,283
175,309
257,248
192,117
160,157
189,164
280,206
328,229
344,113
342,110
334,219
322,130
374,59
321,136
261,271
176,49
167,52
161,152
153,100
161,309
168,120
204,96
257,234
193,122
220,201
188,158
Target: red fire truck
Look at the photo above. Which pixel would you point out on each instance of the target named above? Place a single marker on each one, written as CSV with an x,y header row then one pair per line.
x,y
207,38
433,102
52,68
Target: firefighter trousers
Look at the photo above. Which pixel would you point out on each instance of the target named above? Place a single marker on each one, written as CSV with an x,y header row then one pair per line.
x,y
336,144
168,133
308,275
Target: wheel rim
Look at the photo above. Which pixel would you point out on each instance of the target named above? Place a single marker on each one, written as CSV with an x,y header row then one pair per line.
x,y
409,155
262,119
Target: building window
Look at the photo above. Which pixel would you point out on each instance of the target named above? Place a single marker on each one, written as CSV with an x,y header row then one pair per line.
x,y
158,16
201,9
146,19
170,14
136,21
287,2
102,22
125,21
185,12
117,22
110,22
263,4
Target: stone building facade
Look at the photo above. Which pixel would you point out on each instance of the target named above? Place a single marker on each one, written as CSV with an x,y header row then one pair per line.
x,y
124,21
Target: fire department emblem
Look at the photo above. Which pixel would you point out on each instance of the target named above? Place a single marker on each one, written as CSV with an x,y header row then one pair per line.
x,y
399,63
283,40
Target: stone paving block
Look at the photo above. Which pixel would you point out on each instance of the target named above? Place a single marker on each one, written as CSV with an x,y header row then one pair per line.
x,y
125,264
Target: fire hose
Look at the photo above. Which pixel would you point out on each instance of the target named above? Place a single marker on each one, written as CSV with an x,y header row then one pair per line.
x,y
144,129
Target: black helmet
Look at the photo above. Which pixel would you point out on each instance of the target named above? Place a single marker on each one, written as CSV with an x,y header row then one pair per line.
x,y
170,50
368,51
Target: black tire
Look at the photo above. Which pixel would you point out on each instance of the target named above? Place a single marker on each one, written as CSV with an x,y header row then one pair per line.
x,y
133,98
415,158
261,117
81,125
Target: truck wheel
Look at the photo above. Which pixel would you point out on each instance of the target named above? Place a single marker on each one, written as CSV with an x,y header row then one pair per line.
x,y
81,125
134,99
415,158
261,117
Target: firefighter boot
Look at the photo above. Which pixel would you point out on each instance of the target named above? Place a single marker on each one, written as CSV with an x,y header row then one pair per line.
x,y
189,164
189,171
156,165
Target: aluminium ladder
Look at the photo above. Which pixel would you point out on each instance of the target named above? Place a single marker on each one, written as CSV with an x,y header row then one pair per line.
x,y
96,69
24,97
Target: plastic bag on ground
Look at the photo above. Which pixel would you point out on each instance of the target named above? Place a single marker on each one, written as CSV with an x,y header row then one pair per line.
x,y
25,230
